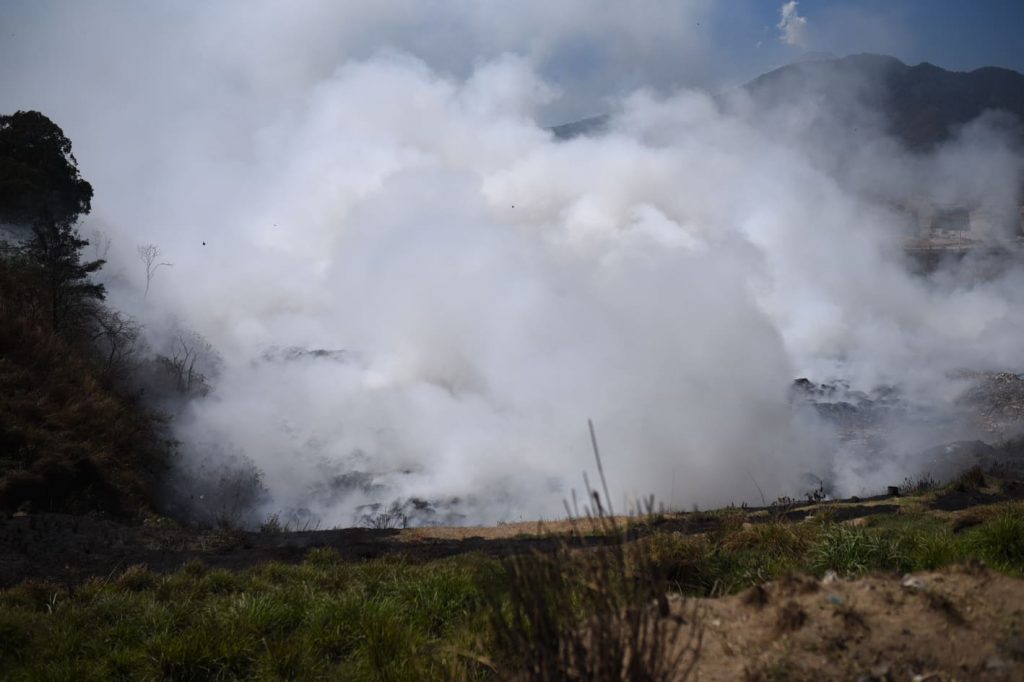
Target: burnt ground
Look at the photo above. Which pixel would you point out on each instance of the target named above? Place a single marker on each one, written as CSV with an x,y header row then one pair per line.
x,y
958,500
69,549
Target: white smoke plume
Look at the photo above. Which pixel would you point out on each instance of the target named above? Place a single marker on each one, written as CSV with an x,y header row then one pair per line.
x,y
418,292
792,27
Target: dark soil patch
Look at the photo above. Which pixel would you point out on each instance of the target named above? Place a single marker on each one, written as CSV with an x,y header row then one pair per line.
x,y
69,549
956,500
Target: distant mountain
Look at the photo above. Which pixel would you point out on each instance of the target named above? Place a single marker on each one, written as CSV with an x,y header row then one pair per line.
x,y
586,126
921,105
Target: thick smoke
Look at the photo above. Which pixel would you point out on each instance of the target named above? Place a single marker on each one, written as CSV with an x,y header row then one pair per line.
x,y
417,292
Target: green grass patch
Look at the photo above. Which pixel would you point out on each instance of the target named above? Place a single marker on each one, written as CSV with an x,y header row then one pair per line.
x,y
849,550
451,619
322,619
736,558
1000,540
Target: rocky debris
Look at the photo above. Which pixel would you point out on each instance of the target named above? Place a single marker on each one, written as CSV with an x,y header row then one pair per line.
x,y
411,512
996,399
870,423
850,410
276,354
993,401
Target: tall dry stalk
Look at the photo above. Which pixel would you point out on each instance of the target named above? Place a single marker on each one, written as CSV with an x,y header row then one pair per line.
x,y
592,613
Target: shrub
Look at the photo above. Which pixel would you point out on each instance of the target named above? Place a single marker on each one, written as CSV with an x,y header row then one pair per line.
x,y
853,551
323,557
918,485
136,578
1001,540
936,549
972,479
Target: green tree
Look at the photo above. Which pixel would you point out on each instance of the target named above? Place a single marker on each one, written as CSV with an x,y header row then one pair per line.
x,y
67,291
39,178
41,188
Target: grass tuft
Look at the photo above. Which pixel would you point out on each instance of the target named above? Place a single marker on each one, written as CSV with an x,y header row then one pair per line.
x,y
854,551
1000,541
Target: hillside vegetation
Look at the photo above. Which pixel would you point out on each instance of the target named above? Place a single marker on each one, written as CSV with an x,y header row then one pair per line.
x,y
68,440
71,439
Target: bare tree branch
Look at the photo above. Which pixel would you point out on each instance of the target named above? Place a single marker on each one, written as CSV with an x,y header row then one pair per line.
x,y
149,253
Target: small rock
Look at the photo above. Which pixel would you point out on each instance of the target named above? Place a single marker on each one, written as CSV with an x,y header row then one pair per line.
x,y
912,583
829,577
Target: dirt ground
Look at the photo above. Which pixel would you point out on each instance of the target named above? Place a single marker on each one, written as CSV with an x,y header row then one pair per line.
x,y
961,623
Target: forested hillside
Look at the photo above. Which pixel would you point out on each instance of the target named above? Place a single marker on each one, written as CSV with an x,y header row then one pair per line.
x,y
72,437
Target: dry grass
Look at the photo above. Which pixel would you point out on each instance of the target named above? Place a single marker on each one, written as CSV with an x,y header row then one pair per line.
x,y
600,613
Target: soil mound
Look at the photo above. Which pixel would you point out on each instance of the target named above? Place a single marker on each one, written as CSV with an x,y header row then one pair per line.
x,y
960,623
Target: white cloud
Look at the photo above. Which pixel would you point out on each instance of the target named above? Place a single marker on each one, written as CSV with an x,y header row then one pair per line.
x,y
792,26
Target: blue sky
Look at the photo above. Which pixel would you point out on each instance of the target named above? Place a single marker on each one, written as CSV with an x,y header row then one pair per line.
x,y
588,49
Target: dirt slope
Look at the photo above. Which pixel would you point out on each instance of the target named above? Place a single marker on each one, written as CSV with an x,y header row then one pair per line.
x,y
963,623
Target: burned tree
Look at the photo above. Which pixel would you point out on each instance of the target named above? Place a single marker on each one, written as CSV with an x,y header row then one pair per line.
x,y
190,362
149,253
116,337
